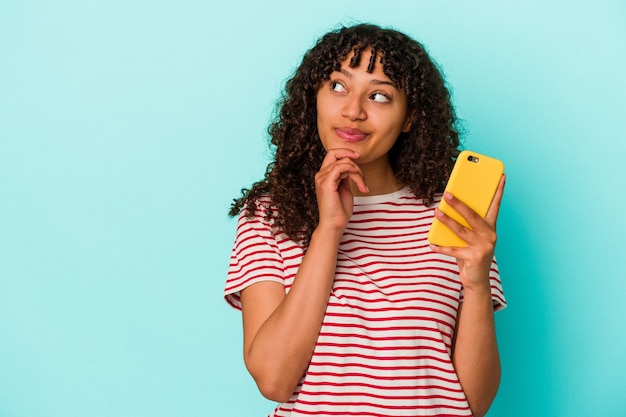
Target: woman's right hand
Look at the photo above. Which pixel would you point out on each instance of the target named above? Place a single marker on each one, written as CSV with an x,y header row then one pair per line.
x,y
332,186
271,316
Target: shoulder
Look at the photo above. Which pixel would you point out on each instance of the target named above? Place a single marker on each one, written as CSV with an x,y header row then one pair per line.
x,y
259,216
258,209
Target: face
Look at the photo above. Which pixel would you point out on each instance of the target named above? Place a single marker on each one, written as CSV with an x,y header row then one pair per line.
x,y
361,111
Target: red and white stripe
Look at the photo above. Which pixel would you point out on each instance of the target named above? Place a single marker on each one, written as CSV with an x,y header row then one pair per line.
x,y
385,344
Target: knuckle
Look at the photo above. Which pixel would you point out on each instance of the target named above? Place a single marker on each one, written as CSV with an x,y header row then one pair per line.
x,y
460,230
472,215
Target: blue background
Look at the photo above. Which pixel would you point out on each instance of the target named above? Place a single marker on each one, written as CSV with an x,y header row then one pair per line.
x,y
127,127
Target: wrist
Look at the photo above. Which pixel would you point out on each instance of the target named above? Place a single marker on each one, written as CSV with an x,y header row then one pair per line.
x,y
327,234
478,292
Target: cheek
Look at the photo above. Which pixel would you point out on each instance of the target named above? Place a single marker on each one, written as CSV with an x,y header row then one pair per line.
x,y
323,109
396,124
323,118
388,125
321,131
323,138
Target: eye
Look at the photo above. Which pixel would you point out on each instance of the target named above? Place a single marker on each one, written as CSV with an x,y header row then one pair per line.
x,y
337,86
380,97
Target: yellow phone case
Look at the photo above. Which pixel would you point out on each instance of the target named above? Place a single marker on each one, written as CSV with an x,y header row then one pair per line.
x,y
474,180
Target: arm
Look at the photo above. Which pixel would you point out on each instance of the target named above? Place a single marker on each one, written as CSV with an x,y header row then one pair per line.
x,y
281,330
475,349
475,352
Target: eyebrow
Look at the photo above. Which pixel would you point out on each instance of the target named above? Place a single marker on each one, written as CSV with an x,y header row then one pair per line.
x,y
374,81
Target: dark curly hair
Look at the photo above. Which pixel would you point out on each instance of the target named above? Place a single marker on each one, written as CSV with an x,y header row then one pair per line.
x,y
421,158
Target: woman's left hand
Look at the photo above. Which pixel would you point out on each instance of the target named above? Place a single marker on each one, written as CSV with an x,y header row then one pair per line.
x,y
474,259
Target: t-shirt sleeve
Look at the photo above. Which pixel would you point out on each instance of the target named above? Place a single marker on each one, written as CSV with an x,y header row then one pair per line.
x,y
255,257
497,293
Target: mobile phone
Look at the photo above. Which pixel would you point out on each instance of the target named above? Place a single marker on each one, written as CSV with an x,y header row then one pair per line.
x,y
474,180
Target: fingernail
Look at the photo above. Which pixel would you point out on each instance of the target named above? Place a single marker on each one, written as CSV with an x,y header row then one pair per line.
x,y
448,196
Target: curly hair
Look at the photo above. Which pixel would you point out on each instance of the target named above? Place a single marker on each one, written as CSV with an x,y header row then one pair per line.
x,y
421,158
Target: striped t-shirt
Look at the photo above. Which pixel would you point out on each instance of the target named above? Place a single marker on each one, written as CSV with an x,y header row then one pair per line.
x,y
384,348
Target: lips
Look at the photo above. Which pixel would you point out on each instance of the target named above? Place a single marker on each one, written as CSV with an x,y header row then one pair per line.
x,y
350,134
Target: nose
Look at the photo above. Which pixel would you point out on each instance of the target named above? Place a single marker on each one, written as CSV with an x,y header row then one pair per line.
x,y
353,108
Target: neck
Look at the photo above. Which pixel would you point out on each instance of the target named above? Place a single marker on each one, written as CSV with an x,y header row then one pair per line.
x,y
379,180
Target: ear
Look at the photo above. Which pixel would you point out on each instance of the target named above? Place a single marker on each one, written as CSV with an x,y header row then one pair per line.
x,y
408,122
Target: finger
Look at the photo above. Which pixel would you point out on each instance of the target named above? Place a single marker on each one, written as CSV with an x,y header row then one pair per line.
x,y
452,251
347,165
359,181
353,173
494,208
342,170
473,219
336,154
457,228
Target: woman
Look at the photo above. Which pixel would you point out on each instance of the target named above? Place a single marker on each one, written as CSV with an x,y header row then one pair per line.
x,y
347,310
